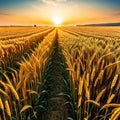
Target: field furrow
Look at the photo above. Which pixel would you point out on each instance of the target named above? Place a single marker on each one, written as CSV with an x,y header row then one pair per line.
x,y
54,99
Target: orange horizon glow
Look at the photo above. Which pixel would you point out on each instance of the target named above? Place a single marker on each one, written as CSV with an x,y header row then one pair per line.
x,y
71,13
66,19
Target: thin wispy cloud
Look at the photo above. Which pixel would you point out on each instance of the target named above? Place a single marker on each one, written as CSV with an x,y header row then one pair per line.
x,y
117,14
53,2
4,14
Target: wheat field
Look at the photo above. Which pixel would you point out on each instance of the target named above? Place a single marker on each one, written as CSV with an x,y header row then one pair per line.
x,y
91,56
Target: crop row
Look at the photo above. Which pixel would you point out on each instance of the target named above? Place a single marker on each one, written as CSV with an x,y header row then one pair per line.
x,y
19,92
12,50
96,32
94,69
17,32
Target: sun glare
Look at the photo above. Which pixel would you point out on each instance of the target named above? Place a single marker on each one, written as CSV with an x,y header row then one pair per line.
x,y
57,20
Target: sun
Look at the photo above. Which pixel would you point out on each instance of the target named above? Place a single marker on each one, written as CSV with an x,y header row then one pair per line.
x,y
57,20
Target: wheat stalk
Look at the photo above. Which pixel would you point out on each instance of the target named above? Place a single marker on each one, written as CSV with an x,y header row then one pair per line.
x,y
2,108
118,86
4,94
110,98
114,81
116,114
93,74
92,101
14,92
100,95
8,111
112,64
100,76
1,105
80,88
109,105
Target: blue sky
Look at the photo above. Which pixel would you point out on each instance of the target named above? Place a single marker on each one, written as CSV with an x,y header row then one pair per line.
x,y
9,3
83,11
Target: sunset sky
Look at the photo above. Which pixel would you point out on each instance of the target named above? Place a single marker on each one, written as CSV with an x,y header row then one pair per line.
x,y
28,12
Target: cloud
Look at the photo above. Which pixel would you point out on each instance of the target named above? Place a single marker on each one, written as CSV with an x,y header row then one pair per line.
x,y
53,2
114,14
117,14
4,14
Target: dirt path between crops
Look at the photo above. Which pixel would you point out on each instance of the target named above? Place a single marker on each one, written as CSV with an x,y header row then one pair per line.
x,y
56,107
